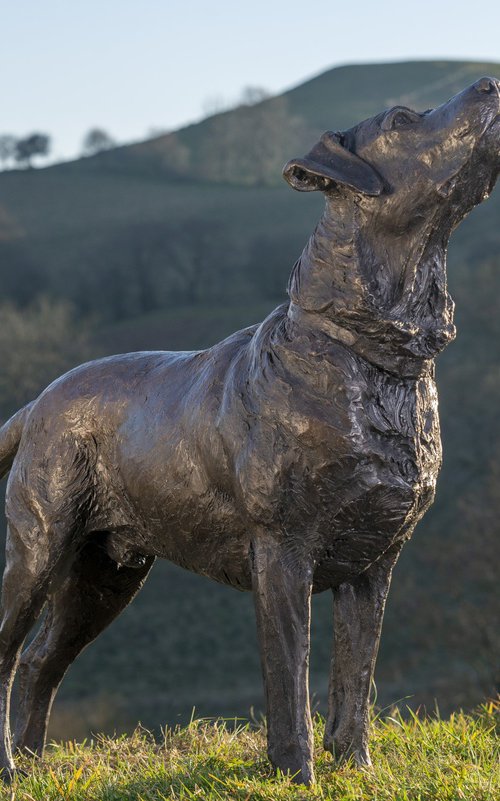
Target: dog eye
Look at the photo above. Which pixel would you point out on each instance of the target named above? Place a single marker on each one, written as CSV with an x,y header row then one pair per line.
x,y
398,118
401,118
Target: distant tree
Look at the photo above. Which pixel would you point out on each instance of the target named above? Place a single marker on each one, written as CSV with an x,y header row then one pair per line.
x,y
154,264
215,104
95,141
155,131
36,144
175,155
37,343
251,95
7,148
250,145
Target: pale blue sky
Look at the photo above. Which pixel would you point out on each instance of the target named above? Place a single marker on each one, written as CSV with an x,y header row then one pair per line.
x,y
130,65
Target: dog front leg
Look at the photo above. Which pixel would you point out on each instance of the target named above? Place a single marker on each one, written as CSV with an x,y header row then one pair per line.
x,y
358,610
282,592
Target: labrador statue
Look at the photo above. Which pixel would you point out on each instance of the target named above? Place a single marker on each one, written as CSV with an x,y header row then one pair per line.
x,y
296,456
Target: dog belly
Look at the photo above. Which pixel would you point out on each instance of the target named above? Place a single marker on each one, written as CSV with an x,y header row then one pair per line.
x,y
197,528
207,536
222,555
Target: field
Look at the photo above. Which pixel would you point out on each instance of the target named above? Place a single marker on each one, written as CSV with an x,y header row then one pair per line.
x,y
415,759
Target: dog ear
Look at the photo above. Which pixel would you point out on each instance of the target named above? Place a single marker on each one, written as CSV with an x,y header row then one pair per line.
x,y
329,163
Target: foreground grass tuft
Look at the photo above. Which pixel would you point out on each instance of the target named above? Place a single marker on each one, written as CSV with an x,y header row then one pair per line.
x,y
415,759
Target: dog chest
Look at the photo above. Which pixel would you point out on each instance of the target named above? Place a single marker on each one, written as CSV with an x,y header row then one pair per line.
x,y
375,494
349,468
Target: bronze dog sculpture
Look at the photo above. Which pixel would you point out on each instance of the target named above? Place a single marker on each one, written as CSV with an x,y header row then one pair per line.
x,y
294,457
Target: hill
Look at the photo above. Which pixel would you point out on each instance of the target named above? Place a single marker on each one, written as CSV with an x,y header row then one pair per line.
x,y
129,232
175,242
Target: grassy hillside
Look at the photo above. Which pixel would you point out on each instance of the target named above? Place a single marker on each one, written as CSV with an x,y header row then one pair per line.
x,y
348,94
156,252
338,99
424,759
123,234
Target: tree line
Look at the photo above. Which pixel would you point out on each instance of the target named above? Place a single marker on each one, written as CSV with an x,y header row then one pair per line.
x,y
244,142
21,151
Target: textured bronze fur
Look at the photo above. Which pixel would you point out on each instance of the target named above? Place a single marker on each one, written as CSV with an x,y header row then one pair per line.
x,y
294,457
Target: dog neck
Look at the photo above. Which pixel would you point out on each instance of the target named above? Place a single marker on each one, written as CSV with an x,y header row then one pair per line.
x,y
383,295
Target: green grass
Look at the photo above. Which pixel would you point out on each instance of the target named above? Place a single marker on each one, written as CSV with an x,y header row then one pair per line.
x,y
415,759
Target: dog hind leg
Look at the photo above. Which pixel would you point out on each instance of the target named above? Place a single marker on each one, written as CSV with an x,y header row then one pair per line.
x,y
29,573
91,597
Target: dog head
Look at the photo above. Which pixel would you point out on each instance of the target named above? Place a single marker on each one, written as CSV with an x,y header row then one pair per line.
x,y
402,165
396,185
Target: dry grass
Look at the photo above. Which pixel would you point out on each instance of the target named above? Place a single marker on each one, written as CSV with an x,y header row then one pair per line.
x,y
415,759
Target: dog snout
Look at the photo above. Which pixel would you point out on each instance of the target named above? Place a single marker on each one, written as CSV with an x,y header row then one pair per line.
x,y
488,86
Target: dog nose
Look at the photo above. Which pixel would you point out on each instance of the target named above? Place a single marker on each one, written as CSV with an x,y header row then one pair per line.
x,y
488,86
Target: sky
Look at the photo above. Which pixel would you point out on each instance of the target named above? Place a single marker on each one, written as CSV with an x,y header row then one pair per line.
x,y
137,66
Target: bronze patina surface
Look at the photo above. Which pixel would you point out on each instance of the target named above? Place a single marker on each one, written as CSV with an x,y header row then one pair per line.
x,y
294,457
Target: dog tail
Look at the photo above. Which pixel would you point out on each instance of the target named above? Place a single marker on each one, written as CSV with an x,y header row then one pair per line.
x,y
10,437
